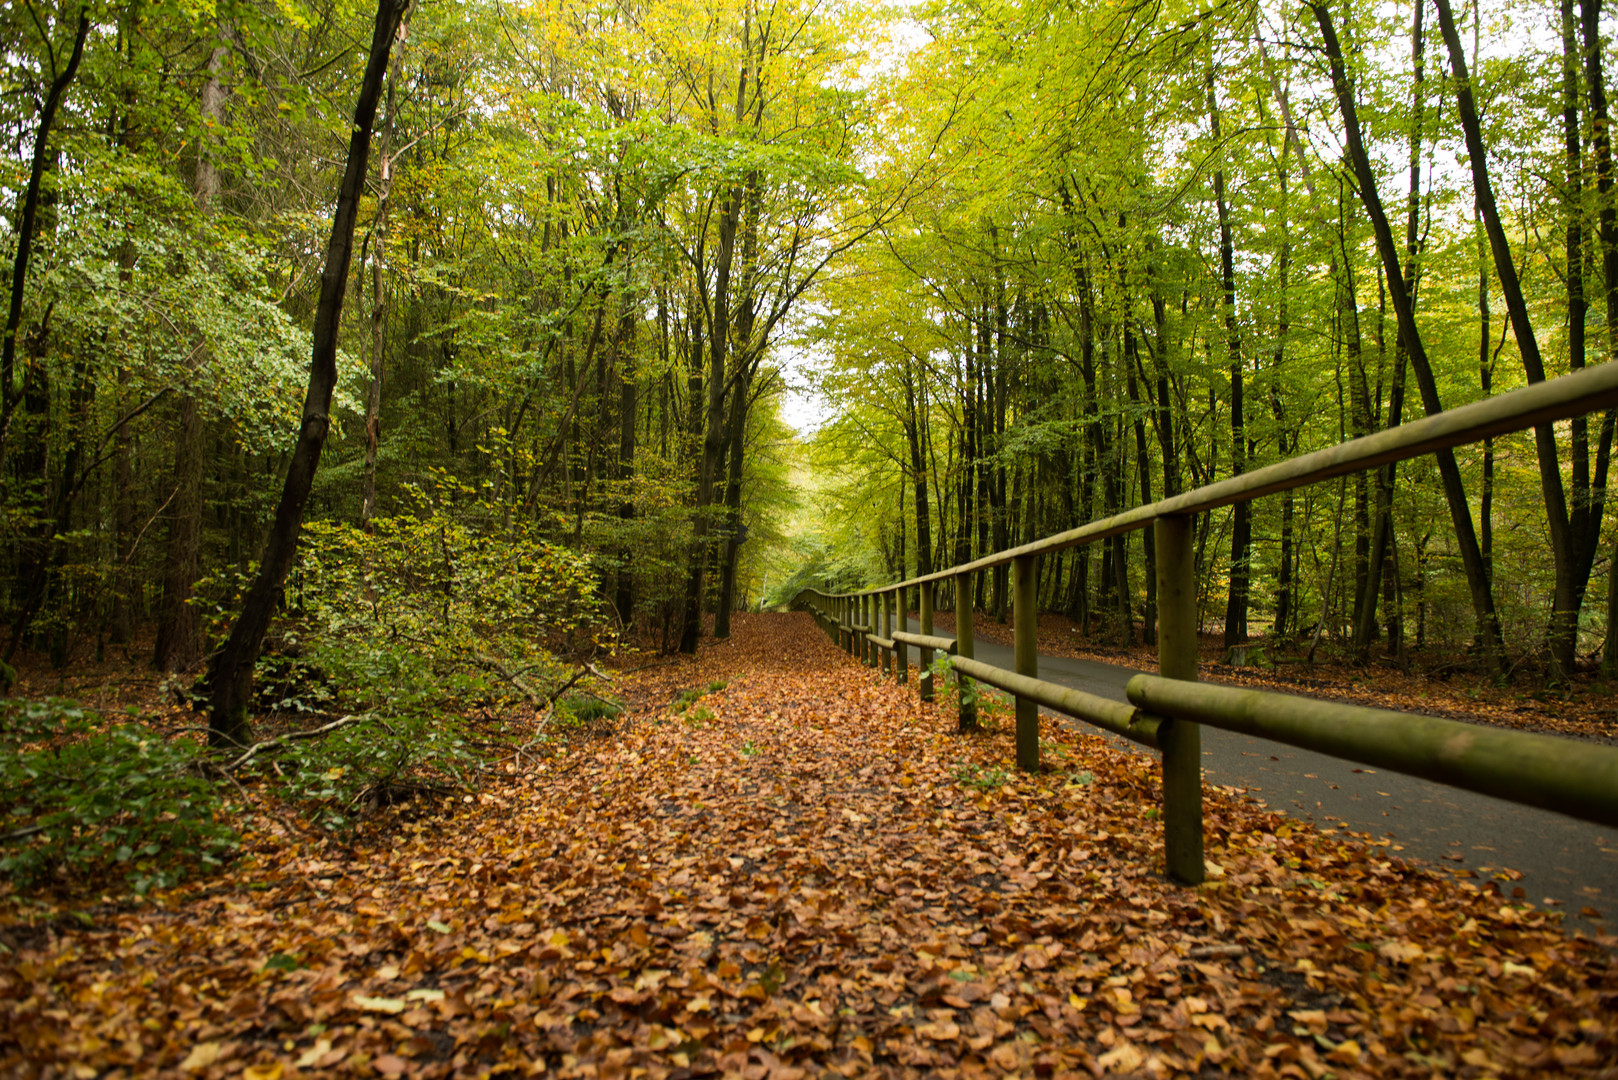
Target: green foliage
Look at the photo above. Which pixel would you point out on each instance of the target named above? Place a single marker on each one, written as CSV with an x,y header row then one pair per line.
x,y
82,799
979,778
377,762
431,607
586,710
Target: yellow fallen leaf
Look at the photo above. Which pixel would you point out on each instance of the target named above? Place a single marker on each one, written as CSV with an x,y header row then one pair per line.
x,y
201,1056
425,995
1346,1053
321,1048
388,972
376,1004
1124,1058
1402,951
272,1071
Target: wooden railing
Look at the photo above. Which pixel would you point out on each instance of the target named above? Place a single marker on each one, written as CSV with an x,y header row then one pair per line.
x,y
1165,711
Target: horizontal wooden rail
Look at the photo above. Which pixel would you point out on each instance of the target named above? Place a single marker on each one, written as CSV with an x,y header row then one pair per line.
x,y
1576,394
1568,776
880,642
925,641
1115,716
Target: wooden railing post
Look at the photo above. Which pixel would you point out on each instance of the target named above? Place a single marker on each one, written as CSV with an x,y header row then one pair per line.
x,y
924,671
963,647
1025,625
868,619
859,638
1181,741
890,659
901,651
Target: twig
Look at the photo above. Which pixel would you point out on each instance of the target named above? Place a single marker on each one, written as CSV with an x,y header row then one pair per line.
x,y
1208,952
281,740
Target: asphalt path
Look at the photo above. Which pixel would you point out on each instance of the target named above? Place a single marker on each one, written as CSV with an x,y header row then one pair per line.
x,y
1564,863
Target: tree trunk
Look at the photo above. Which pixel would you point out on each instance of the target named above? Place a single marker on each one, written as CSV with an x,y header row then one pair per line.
x,y
1566,535
27,224
1241,532
373,389
1382,530
1488,623
230,675
179,631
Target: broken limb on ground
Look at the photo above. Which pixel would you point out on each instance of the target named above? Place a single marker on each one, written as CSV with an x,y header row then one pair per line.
x,y
783,865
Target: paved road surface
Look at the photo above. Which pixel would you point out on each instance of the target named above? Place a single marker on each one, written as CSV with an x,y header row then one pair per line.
x,y
1560,859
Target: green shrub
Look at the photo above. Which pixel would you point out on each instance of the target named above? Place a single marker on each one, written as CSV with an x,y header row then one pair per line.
x,y
81,799
377,761
585,710
975,776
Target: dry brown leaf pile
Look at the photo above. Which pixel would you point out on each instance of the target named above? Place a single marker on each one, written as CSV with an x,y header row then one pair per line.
x,y
806,873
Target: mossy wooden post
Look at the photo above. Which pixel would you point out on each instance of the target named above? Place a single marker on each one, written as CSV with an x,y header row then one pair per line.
x,y
858,620
868,620
901,651
873,619
1025,626
1181,741
963,647
886,600
924,662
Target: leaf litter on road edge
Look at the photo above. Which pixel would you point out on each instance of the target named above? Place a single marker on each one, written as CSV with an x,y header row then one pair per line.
x,y
815,878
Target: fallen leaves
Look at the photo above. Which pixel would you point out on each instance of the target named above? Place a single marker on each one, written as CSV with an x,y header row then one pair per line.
x,y
809,882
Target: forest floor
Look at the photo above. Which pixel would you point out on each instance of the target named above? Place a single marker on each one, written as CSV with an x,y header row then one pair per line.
x,y
1587,710
803,872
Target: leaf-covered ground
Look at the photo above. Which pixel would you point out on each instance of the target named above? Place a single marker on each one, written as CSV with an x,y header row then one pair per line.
x,y
1434,685
806,873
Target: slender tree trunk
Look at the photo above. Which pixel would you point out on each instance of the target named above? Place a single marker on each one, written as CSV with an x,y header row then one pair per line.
x,y
27,221
1570,583
1607,231
733,502
628,406
230,675
1241,532
179,631
373,389
1143,474
1382,530
1489,634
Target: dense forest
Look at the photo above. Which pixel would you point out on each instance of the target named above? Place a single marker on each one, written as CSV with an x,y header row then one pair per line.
x,y
1032,264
